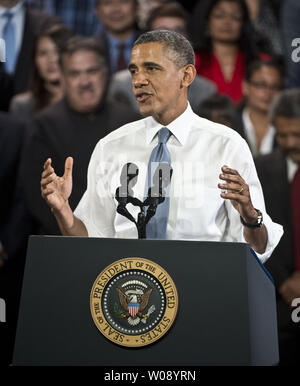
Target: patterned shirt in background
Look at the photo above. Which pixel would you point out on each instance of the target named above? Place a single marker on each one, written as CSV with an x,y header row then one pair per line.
x,y
77,15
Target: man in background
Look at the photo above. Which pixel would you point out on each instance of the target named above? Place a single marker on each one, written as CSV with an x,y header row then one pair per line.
x,y
119,19
279,173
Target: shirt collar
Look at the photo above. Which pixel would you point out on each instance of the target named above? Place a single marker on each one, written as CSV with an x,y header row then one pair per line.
x,y
14,10
250,133
292,168
180,127
248,123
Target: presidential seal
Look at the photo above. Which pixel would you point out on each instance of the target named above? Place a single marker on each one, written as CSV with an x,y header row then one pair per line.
x,y
134,302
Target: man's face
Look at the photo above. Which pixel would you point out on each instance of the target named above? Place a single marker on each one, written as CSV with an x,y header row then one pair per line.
x,y
8,3
84,79
288,136
263,86
176,24
118,16
156,81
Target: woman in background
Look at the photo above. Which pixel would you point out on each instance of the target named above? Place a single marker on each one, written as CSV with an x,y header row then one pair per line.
x,y
224,43
45,86
263,81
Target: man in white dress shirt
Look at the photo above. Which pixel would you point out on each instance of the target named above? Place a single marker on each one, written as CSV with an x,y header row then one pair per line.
x,y
208,200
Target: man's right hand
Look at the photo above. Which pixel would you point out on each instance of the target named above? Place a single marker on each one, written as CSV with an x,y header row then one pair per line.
x,y
56,190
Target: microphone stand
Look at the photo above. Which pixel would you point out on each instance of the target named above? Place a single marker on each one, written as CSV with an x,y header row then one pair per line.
x,y
155,198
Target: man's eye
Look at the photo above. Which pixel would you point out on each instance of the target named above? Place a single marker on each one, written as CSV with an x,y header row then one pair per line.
x,y
93,71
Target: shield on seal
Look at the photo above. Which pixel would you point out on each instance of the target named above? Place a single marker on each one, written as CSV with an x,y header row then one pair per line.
x,y
133,309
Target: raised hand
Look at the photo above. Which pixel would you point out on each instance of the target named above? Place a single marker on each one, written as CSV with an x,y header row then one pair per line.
x,y
56,190
237,191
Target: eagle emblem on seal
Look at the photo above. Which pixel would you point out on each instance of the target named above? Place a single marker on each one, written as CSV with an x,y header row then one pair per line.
x,y
134,298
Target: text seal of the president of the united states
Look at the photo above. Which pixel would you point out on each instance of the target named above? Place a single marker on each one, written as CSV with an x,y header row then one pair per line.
x,y
134,302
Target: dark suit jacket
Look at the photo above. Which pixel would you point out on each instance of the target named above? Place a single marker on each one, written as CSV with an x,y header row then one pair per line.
x,y
6,89
272,172
11,138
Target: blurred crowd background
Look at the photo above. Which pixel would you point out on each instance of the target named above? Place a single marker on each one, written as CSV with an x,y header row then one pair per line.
x,y
64,85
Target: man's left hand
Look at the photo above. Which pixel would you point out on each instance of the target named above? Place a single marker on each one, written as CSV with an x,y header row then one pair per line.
x,y
237,191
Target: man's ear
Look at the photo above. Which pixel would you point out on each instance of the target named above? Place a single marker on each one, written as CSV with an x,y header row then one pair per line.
x,y
189,74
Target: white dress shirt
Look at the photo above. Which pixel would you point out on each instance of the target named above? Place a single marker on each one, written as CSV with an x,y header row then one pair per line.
x,y
198,148
267,141
18,20
292,168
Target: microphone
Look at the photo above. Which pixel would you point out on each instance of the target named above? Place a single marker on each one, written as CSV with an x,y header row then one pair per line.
x,y
124,193
128,179
157,193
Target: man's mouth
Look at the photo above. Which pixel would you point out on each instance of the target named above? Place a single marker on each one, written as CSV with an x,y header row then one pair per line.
x,y
292,152
142,97
87,92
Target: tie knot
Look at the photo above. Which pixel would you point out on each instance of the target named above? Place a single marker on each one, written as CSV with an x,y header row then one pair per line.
x,y
163,135
8,15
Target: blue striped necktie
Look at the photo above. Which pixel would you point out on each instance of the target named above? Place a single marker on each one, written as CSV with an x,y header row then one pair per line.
x,y
9,36
157,226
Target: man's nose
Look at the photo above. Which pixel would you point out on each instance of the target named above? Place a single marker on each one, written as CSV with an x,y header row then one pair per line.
x,y
53,58
140,80
290,142
84,79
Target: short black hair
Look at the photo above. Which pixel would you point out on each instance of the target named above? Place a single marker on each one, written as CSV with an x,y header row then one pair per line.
x,y
79,43
219,108
182,50
286,104
256,65
168,10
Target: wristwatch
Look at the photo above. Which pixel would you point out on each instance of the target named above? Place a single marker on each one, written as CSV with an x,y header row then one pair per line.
x,y
259,222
